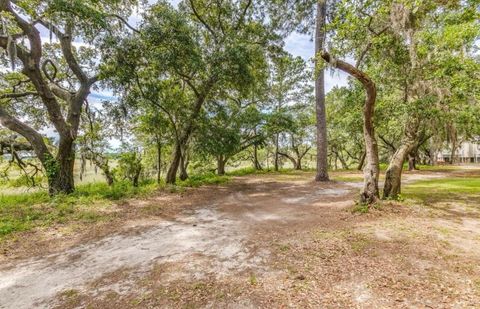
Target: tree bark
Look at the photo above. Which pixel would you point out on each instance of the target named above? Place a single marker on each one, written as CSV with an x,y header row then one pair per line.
x,y
342,161
371,172
411,162
183,166
322,142
276,153
182,140
256,163
393,175
175,163
295,163
59,170
159,161
221,161
361,161
102,163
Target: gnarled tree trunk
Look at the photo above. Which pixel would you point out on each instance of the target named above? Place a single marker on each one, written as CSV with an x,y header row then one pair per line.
x,y
371,171
393,175
62,107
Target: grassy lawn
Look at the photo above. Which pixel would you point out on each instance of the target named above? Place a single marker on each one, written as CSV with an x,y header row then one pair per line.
x,y
466,189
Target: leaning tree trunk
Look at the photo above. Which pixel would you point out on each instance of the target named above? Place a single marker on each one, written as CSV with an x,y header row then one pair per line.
x,y
371,171
295,163
256,163
393,176
322,142
172,170
102,163
361,162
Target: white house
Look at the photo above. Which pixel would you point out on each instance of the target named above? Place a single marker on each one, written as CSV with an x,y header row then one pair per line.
x,y
467,152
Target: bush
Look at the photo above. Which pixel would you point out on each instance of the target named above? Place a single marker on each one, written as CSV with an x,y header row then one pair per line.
x,y
205,179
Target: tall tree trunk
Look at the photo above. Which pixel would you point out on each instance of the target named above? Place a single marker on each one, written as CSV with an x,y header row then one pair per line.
x,y
276,153
159,161
393,175
221,165
175,163
371,171
322,142
256,163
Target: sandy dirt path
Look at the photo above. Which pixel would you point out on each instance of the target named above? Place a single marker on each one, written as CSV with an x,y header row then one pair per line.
x,y
213,238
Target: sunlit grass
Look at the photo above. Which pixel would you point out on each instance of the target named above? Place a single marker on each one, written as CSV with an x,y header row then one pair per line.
x,y
202,180
465,189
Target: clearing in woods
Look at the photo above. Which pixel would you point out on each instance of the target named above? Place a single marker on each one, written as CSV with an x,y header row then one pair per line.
x,y
265,241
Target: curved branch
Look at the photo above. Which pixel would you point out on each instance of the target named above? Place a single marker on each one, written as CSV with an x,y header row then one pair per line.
x,y
370,192
125,22
201,20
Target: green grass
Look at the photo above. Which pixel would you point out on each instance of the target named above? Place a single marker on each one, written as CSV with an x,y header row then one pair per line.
x,y
447,167
444,189
28,210
348,178
21,212
202,180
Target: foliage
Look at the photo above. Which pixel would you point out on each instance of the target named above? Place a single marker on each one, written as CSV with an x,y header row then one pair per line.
x,y
20,212
129,167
